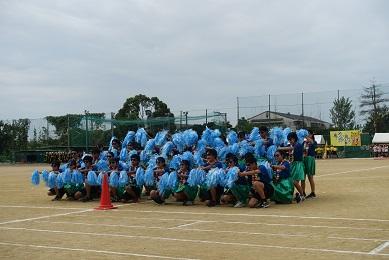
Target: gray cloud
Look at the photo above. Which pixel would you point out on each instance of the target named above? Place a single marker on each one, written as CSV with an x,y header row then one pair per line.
x,y
63,57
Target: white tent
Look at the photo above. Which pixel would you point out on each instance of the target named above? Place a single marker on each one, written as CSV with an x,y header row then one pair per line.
x,y
320,139
381,138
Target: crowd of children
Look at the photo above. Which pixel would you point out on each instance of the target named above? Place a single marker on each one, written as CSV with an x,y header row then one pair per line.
x,y
239,169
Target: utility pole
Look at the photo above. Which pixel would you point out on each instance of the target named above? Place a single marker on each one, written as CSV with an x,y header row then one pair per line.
x,y
237,110
86,130
112,115
68,133
302,107
206,117
186,118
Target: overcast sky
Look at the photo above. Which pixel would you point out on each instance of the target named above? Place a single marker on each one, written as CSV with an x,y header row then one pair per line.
x,y
60,57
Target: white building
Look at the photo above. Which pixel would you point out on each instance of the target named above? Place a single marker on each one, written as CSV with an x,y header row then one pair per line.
x,y
271,119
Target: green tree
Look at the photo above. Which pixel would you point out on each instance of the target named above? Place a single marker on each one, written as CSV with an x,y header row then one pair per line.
x,y
342,114
382,122
144,112
373,106
13,136
244,125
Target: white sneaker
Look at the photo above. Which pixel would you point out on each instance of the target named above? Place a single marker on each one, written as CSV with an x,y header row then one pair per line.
x,y
239,205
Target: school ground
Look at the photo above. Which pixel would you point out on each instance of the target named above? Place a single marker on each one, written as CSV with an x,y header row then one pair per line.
x,y
348,220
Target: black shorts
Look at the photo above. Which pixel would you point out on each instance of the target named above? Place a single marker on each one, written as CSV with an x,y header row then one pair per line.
x,y
268,190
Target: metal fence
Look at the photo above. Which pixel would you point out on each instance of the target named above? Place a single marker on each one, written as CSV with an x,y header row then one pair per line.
x,y
312,104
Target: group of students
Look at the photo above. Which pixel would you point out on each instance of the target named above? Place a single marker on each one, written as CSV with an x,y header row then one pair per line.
x,y
240,170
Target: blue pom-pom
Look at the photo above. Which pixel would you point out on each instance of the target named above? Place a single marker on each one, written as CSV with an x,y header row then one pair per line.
x,y
254,134
173,180
178,141
123,178
232,176
270,153
141,137
63,167
218,143
45,176
175,162
150,146
259,148
52,179
277,135
198,159
144,156
201,146
163,184
35,178
59,181
110,143
234,149
196,177
285,133
167,149
67,176
91,178
211,179
140,177
123,154
232,138
221,177
190,137
100,178
207,136
268,168
102,165
160,137
244,148
114,179
149,176
301,135
77,177
223,152
128,139
216,133
124,166
189,157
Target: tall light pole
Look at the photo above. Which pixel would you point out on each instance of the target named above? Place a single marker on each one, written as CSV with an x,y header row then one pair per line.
x,y
185,113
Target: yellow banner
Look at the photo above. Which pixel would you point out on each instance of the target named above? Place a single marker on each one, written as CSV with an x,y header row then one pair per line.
x,y
346,138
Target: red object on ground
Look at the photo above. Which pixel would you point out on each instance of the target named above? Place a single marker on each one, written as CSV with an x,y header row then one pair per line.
x,y
105,199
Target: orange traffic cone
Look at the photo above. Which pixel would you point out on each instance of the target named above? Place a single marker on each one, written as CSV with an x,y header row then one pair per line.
x,y
105,199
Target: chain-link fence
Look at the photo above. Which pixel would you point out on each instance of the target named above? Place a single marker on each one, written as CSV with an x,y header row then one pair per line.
x,y
31,140
306,104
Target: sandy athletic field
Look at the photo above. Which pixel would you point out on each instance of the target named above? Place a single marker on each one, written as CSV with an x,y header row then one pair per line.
x,y
348,220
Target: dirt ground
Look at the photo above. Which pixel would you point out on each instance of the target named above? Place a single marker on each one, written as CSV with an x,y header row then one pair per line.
x,y
349,219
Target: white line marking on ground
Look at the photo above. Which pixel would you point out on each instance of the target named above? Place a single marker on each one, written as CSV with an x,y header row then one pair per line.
x,y
246,223
207,230
379,248
37,207
195,241
189,224
254,215
93,251
43,217
357,170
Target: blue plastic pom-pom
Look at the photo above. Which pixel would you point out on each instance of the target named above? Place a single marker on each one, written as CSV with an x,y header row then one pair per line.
x,y
45,176
149,176
77,177
173,181
35,178
123,178
59,180
175,162
102,165
254,134
160,138
163,184
114,179
51,182
123,154
149,147
232,138
232,176
128,139
100,178
190,137
139,177
270,153
67,176
91,178
234,149
167,149
178,141
198,159
301,135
